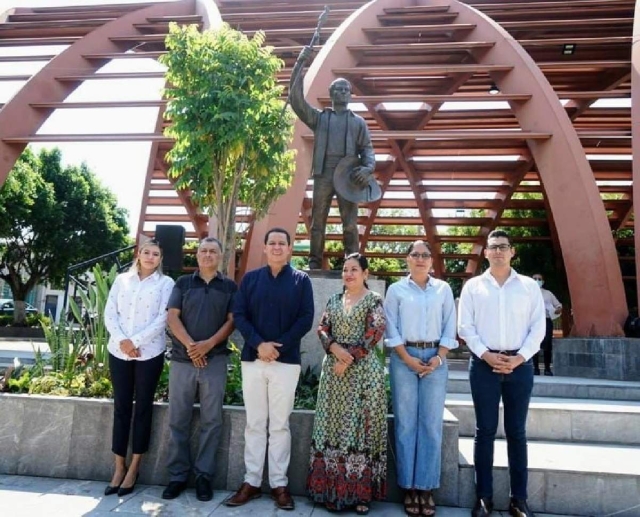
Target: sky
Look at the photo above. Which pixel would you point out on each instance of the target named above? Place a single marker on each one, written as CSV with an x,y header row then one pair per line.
x,y
122,166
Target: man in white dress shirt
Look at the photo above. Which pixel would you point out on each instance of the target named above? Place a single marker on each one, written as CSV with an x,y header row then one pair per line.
x,y
553,309
502,319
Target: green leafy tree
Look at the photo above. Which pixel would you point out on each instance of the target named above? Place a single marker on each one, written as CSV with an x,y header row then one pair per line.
x,y
231,132
50,218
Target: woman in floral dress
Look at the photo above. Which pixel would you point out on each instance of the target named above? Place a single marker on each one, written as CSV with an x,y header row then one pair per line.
x,y
348,461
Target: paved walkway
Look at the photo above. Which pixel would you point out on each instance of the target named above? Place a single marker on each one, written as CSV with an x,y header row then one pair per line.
x,y
23,496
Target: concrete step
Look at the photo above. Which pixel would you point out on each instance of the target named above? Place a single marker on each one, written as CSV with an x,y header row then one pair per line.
x,y
565,478
569,420
562,387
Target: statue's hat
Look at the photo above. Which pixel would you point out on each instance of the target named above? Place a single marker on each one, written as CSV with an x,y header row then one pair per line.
x,y
349,190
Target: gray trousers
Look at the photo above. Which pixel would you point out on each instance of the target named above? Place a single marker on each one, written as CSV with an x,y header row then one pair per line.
x,y
184,380
323,193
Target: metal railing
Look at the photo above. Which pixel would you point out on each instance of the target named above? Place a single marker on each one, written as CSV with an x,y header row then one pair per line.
x,y
69,276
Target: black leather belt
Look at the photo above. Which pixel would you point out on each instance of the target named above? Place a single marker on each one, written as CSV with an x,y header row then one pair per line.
x,y
505,352
423,344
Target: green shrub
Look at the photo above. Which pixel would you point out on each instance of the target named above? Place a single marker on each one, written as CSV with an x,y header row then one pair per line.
x,y
19,381
307,390
233,391
37,320
5,320
162,391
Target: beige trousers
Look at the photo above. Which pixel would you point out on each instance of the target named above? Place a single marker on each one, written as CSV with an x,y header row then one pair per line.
x,y
269,391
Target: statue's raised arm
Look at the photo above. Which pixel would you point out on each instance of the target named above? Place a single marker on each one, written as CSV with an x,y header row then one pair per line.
x,y
305,111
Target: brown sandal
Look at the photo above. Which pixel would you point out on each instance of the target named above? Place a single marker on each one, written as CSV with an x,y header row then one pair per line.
x,y
411,503
427,504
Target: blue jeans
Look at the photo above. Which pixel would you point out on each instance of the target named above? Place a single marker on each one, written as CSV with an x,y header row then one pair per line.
x,y
418,405
486,389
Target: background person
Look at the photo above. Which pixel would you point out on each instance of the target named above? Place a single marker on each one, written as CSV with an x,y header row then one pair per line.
x,y
135,316
348,463
501,318
552,309
200,321
421,329
273,310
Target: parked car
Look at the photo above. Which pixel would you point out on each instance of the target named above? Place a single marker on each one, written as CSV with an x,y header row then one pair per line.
x,y
7,307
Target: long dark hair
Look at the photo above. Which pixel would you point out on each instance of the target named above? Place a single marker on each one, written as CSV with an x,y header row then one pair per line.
x,y
362,261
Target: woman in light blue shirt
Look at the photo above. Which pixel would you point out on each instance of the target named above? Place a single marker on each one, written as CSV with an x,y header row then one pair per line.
x,y
421,329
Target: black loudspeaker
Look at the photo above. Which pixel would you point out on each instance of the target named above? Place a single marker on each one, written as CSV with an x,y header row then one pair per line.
x,y
171,238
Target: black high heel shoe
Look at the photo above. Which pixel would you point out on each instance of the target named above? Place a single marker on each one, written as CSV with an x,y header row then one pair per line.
x,y
126,491
110,490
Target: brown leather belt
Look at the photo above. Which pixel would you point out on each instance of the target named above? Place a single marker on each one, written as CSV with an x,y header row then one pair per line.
x,y
423,344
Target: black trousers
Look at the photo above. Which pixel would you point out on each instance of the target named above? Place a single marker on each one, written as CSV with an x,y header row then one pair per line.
x,y
546,348
133,380
487,388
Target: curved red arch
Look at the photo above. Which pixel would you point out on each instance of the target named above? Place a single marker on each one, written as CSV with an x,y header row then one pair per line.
x,y
635,133
583,230
590,258
19,119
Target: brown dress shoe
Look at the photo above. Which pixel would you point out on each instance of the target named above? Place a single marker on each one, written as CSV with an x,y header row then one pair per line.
x,y
283,498
245,493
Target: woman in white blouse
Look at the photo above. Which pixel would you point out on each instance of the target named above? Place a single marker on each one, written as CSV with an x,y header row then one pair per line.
x,y
136,316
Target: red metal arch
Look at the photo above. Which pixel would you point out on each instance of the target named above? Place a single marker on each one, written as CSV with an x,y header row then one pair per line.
x,y
19,119
592,268
593,272
211,19
635,131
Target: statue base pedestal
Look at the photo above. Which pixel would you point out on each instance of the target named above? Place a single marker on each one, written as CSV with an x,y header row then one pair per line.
x,y
325,284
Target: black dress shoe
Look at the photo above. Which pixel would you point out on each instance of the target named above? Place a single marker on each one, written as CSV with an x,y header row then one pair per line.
x,y
483,507
203,489
110,490
126,491
520,508
548,372
174,489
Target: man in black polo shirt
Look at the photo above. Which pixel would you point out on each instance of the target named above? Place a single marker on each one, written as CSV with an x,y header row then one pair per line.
x,y
200,320
273,310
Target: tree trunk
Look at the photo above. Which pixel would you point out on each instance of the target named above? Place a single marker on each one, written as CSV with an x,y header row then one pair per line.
x,y
226,234
228,238
19,313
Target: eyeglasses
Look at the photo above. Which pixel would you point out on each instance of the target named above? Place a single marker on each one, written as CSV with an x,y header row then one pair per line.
x,y
416,255
501,247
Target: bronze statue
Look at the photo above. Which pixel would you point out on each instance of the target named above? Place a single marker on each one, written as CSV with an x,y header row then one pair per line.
x,y
343,160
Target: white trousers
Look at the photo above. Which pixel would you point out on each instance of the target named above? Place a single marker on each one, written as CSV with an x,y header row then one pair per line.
x,y
269,391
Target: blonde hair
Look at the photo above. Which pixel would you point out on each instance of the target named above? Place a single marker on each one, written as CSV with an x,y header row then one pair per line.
x,y
143,245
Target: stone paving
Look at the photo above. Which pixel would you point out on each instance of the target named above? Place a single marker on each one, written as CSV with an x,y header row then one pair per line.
x,y
23,496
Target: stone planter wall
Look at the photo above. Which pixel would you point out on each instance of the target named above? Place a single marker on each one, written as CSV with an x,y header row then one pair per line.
x,y
21,332
597,358
71,438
